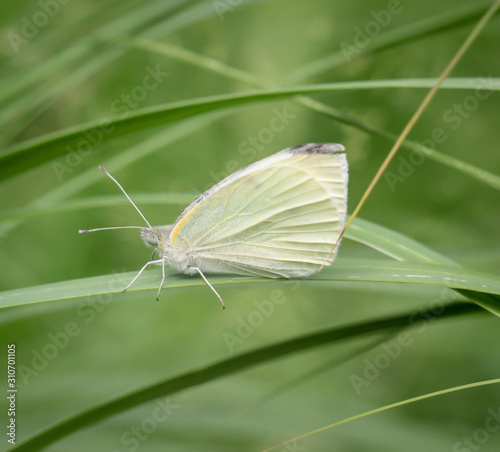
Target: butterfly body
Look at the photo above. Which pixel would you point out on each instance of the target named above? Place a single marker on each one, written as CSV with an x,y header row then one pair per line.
x,y
280,217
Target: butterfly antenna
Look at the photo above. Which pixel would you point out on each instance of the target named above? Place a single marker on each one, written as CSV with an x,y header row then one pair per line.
x,y
83,231
125,193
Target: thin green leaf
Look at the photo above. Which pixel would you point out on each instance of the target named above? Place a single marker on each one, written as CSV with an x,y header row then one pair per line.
x,y
394,244
391,406
213,65
16,81
382,239
50,78
469,170
452,18
162,199
324,367
358,270
35,152
156,142
221,369
45,78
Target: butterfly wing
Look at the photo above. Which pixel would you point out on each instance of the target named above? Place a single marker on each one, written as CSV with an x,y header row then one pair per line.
x,y
279,217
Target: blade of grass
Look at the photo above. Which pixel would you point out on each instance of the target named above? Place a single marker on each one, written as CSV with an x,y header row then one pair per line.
x,y
350,270
394,244
422,107
57,48
221,369
158,141
391,406
216,66
461,15
307,376
469,170
52,78
190,16
30,103
27,155
384,240
97,202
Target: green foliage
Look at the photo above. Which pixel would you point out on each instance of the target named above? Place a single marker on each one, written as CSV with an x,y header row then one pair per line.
x,y
173,96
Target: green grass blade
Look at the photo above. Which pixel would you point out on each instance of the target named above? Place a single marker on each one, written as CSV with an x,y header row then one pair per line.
x,y
50,79
351,270
38,88
326,366
394,244
216,66
156,142
27,155
201,61
384,240
221,369
192,15
461,15
391,406
160,199
16,81
487,301
469,170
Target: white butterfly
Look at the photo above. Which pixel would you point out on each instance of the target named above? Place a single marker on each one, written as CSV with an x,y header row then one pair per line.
x,y
280,217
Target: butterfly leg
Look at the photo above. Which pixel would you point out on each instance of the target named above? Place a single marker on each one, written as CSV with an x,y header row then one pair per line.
x,y
144,268
210,285
162,277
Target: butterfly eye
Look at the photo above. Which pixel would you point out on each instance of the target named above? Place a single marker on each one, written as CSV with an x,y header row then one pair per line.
x,y
150,237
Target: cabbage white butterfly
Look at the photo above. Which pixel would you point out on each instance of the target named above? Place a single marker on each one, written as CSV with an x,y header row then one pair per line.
x,y
280,217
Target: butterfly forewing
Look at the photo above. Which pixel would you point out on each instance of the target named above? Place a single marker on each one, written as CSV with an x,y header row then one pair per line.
x,y
279,217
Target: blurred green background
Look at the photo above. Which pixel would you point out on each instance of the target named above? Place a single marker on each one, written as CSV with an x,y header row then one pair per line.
x,y
87,63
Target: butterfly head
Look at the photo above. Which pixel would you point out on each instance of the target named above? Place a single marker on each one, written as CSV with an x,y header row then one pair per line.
x,y
150,236
157,236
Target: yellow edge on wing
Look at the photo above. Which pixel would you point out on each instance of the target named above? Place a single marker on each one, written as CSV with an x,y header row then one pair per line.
x,y
178,228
